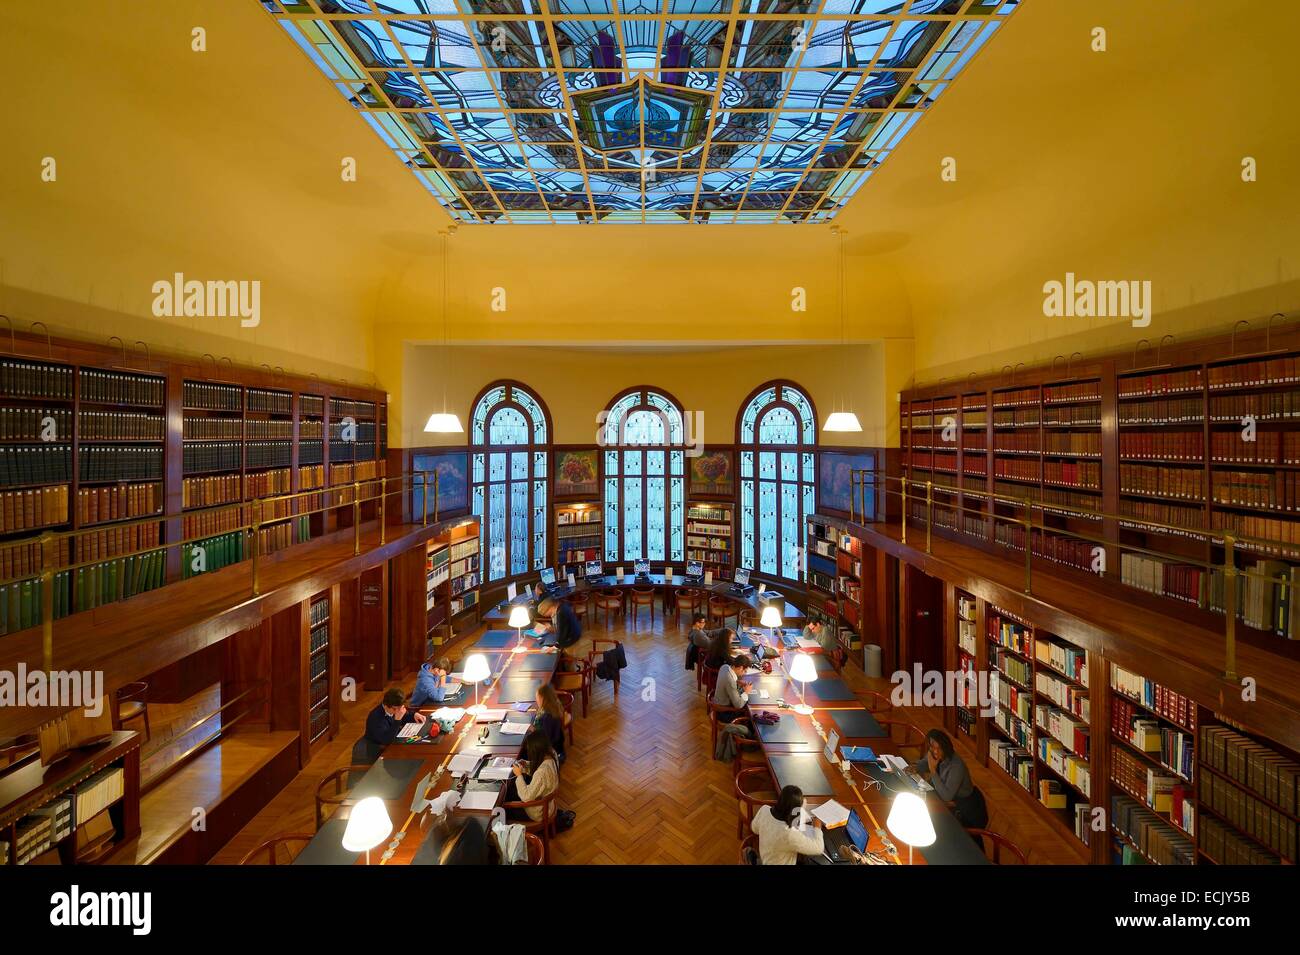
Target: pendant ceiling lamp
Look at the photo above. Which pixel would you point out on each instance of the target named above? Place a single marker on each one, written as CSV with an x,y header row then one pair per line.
x,y
444,422
841,419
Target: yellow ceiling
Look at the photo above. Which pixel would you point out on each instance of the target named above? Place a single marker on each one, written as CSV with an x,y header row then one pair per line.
x,y
226,164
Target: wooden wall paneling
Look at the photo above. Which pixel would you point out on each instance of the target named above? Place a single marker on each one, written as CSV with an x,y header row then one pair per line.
x,y
336,679
950,652
288,673
371,639
347,627
407,589
181,680
247,663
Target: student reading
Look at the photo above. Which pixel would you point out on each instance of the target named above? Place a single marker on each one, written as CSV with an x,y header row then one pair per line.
x,y
951,780
782,838
431,684
385,721
536,776
563,621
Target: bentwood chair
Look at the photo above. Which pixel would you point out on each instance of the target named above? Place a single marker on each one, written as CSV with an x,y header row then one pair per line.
x,y
755,787
748,618
611,602
998,843
132,705
581,604
874,702
536,849
720,716
689,602
342,780
566,701
599,647
271,849
710,683
749,851
909,740
642,597
545,826
722,609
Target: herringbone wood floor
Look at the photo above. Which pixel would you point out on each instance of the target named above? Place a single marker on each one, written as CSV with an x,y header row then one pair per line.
x,y
640,774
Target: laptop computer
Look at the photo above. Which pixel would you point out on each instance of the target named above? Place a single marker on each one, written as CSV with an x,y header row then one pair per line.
x,y
694,571
740,583
853,833
594,569
642,568
548,580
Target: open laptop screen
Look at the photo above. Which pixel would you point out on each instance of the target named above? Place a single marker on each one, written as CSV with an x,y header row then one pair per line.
x,y
695,568
642,566
742,576
548,576
595,568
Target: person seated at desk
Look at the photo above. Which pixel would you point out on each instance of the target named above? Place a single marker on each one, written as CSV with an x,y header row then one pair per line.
x,y
538,594
551,718
782,838
951,780
536,776
698,635
387,719
729,691
719,649
431,684
825,637
558,616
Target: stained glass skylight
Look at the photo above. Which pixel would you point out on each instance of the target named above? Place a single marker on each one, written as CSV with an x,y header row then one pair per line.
x,y
635,111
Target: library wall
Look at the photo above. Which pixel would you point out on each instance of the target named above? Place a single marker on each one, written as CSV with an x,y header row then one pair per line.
x,y
576,384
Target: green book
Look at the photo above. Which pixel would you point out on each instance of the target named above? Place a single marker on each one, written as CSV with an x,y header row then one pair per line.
x,y
25,614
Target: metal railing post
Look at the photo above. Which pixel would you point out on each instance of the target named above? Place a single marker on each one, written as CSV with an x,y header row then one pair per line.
x,y
356,518
47,600
853,502
929,512
424,496
383,531
257,546
905,514
1230,607
437,486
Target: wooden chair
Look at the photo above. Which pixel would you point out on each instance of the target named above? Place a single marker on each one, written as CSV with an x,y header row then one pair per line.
x,y
722,609
905,736
710,683
342,786
536,849
749,850
689,602
581,604
575,681
271,847
566,701
131,705
755,787
874,702
986,837
610,601
749,753
545,825
717,716
599,645
642,597
748,618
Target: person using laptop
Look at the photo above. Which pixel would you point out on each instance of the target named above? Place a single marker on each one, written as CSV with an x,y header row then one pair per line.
x,y
701,637
557,616
538,593
782,835
385,721
948,774
431,684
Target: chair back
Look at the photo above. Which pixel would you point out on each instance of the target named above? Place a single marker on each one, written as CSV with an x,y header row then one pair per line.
x,y
710,682
904,735
271,849
749,851
536,850
998,843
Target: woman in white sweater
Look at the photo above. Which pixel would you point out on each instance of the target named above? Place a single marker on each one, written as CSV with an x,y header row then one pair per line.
x,y
781,836
542,771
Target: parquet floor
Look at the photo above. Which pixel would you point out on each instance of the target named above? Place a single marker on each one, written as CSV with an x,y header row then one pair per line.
x,y
640,774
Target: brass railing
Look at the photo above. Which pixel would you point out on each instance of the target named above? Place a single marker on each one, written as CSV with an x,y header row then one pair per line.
x,y
869,489
352,495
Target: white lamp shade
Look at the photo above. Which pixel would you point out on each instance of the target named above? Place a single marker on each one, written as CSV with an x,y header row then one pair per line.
x,y
447,423
838,421
519,616
802,668
771,617
910,821
368,825
476,668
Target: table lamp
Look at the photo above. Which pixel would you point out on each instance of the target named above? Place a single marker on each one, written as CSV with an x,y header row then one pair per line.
x,y
909,819
772,620
476,671
519,619
803,669
368,826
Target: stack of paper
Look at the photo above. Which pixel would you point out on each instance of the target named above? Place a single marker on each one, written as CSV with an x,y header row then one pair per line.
x,y
453,714
832,814
490,716
515,729
463,763
498,768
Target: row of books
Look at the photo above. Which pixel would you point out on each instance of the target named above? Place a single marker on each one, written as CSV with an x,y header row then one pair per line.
x,y
974,441
1150,836
118,579
310,477
204,396
361,432
1268,447
1015,396
1014,760
26,560
1159,699
1019,418
1225,847
279,536
348,407
1071,766
118,463
267,483
1261,529
1074,391
1163,383
35,464
35,424
21,607
1178,515
311,430
120,388
273,402
1075,416
29,379
1068,695
1162,445
1015,667
347,473
1021,470
1082,443
1270,406
201,428
1250,815
318,611
119,426
209,523
1069,551
210,491
1259,768
1162,411
1006,631
1269,371
311,405
217,456
1075,500
34,507
1085,474
268,454
318,639
114,541
97,793
212,553
1062,726
1185,483
1064,658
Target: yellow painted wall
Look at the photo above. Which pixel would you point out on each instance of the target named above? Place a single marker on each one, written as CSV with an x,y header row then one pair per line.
x,y
577,384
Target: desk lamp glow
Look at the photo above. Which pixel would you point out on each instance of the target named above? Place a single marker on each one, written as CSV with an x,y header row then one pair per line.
x,y
772,620
803,669
519,619
910,821
476,671
368,826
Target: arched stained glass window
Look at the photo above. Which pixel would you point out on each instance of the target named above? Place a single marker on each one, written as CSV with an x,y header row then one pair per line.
x,y
777,438
509,445
644,477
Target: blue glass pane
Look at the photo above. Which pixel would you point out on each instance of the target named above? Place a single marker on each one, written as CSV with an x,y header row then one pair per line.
x,y
633,505
496,467
767,464
670,412
539,524
611,518
778,426
518,465
478,469
790,523
677,517
807,420
539,464
746,464
644,428
508,426
789,466
614,417
496,536
534,411
491,399
654,462
519,535
767,528
611,463
809,467
747,524
655,518
677,462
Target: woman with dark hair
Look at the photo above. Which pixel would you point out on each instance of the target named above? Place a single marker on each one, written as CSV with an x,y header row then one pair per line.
x,y
536,776
951,780
551,718
783,836
719,651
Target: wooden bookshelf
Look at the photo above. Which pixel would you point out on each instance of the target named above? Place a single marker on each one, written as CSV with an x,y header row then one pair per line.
x,y
835,582
579,534
437,596
104,446
710,537
464,577
322,715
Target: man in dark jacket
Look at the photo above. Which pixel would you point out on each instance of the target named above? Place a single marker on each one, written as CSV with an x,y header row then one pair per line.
x,y
386,719
563,621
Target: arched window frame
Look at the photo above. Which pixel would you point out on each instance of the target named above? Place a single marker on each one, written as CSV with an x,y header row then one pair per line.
x,y
765,483
493,489
626,462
